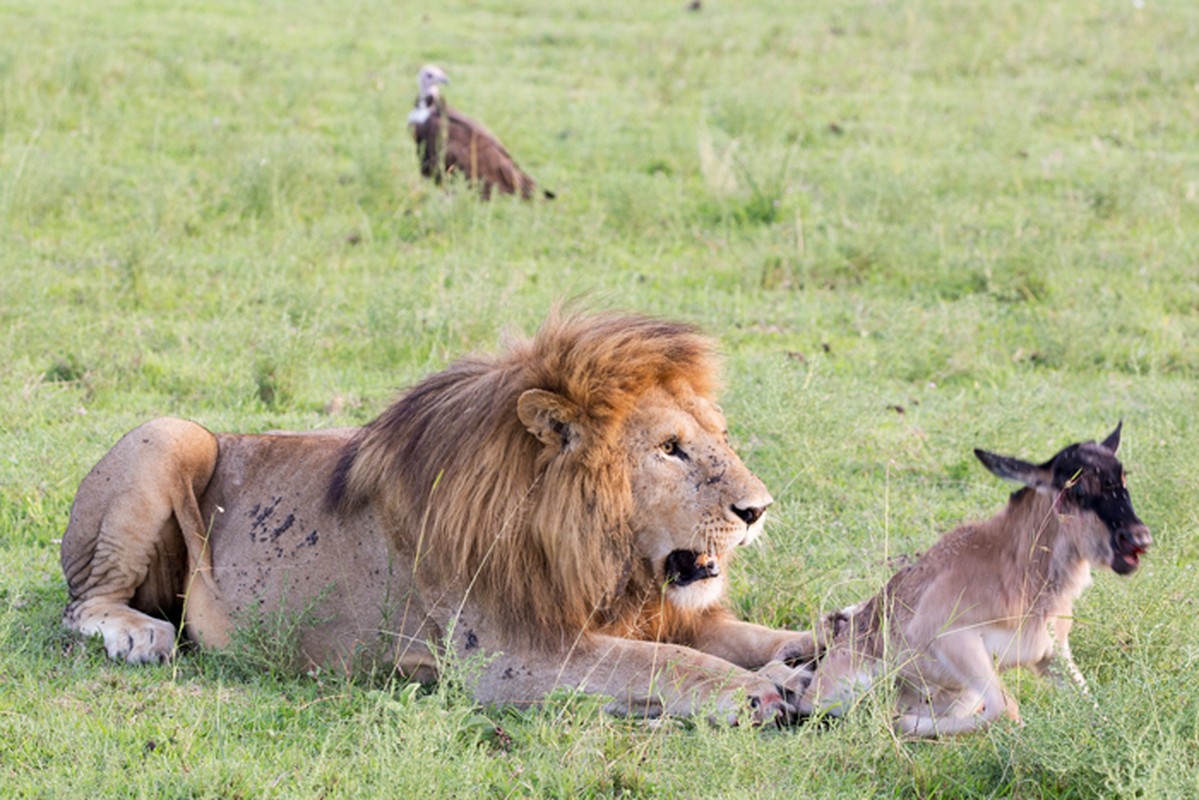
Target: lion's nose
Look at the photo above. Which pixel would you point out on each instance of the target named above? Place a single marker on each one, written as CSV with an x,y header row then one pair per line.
x,y
747,513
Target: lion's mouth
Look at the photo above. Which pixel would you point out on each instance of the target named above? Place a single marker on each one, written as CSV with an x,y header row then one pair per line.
x,y
684,567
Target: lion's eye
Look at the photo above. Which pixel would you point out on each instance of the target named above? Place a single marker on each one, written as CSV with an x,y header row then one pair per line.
x,y
671,447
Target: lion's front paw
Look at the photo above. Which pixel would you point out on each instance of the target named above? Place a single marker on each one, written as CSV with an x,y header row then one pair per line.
x,y
799,648
791,681
760,702
771,708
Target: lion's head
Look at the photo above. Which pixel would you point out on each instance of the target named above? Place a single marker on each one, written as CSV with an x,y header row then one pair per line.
x,y
574,471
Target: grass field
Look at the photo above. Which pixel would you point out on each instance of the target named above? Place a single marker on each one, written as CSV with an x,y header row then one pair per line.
x,y
916,228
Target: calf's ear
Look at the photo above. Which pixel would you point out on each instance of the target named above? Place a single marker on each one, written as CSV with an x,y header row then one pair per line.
x,y
1013,469
1112,442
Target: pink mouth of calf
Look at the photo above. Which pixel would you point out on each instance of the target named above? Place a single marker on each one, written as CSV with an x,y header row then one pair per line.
x,y
1131,555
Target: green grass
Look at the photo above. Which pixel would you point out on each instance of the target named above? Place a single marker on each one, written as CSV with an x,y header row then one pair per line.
x,y
984,214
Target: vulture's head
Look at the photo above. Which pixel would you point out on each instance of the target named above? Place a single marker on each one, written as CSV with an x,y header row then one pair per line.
x,y
429,76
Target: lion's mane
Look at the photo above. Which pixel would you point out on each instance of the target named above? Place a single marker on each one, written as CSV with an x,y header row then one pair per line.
x,y
541,537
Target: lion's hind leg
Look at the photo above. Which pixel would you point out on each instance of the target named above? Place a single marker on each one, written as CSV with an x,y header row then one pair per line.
x,y
124,551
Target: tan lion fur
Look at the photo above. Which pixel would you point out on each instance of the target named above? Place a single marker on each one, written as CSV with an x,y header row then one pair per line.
x,y
520,506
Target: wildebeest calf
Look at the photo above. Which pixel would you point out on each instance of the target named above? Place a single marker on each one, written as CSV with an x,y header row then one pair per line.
x,y
988,596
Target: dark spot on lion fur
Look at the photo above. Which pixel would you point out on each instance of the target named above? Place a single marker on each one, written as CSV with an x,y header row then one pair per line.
x,y
283,526
260,513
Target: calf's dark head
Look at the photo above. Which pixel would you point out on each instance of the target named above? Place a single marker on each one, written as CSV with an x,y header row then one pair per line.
x,y
1086,479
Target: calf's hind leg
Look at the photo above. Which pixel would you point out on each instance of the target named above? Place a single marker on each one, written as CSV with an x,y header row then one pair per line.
x,y
133,523
978,699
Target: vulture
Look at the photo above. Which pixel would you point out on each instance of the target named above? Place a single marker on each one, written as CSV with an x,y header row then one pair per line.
x,y
448,143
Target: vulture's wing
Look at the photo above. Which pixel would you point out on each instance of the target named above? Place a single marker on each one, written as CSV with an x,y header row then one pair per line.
x,y
478,154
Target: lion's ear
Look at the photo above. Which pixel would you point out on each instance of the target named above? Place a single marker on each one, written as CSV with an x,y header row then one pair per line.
x,y
553,419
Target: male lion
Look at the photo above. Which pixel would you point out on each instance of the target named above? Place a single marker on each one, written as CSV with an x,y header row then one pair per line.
x,y
565,509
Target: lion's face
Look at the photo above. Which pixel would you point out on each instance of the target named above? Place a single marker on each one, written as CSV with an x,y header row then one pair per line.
x,y
693,498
